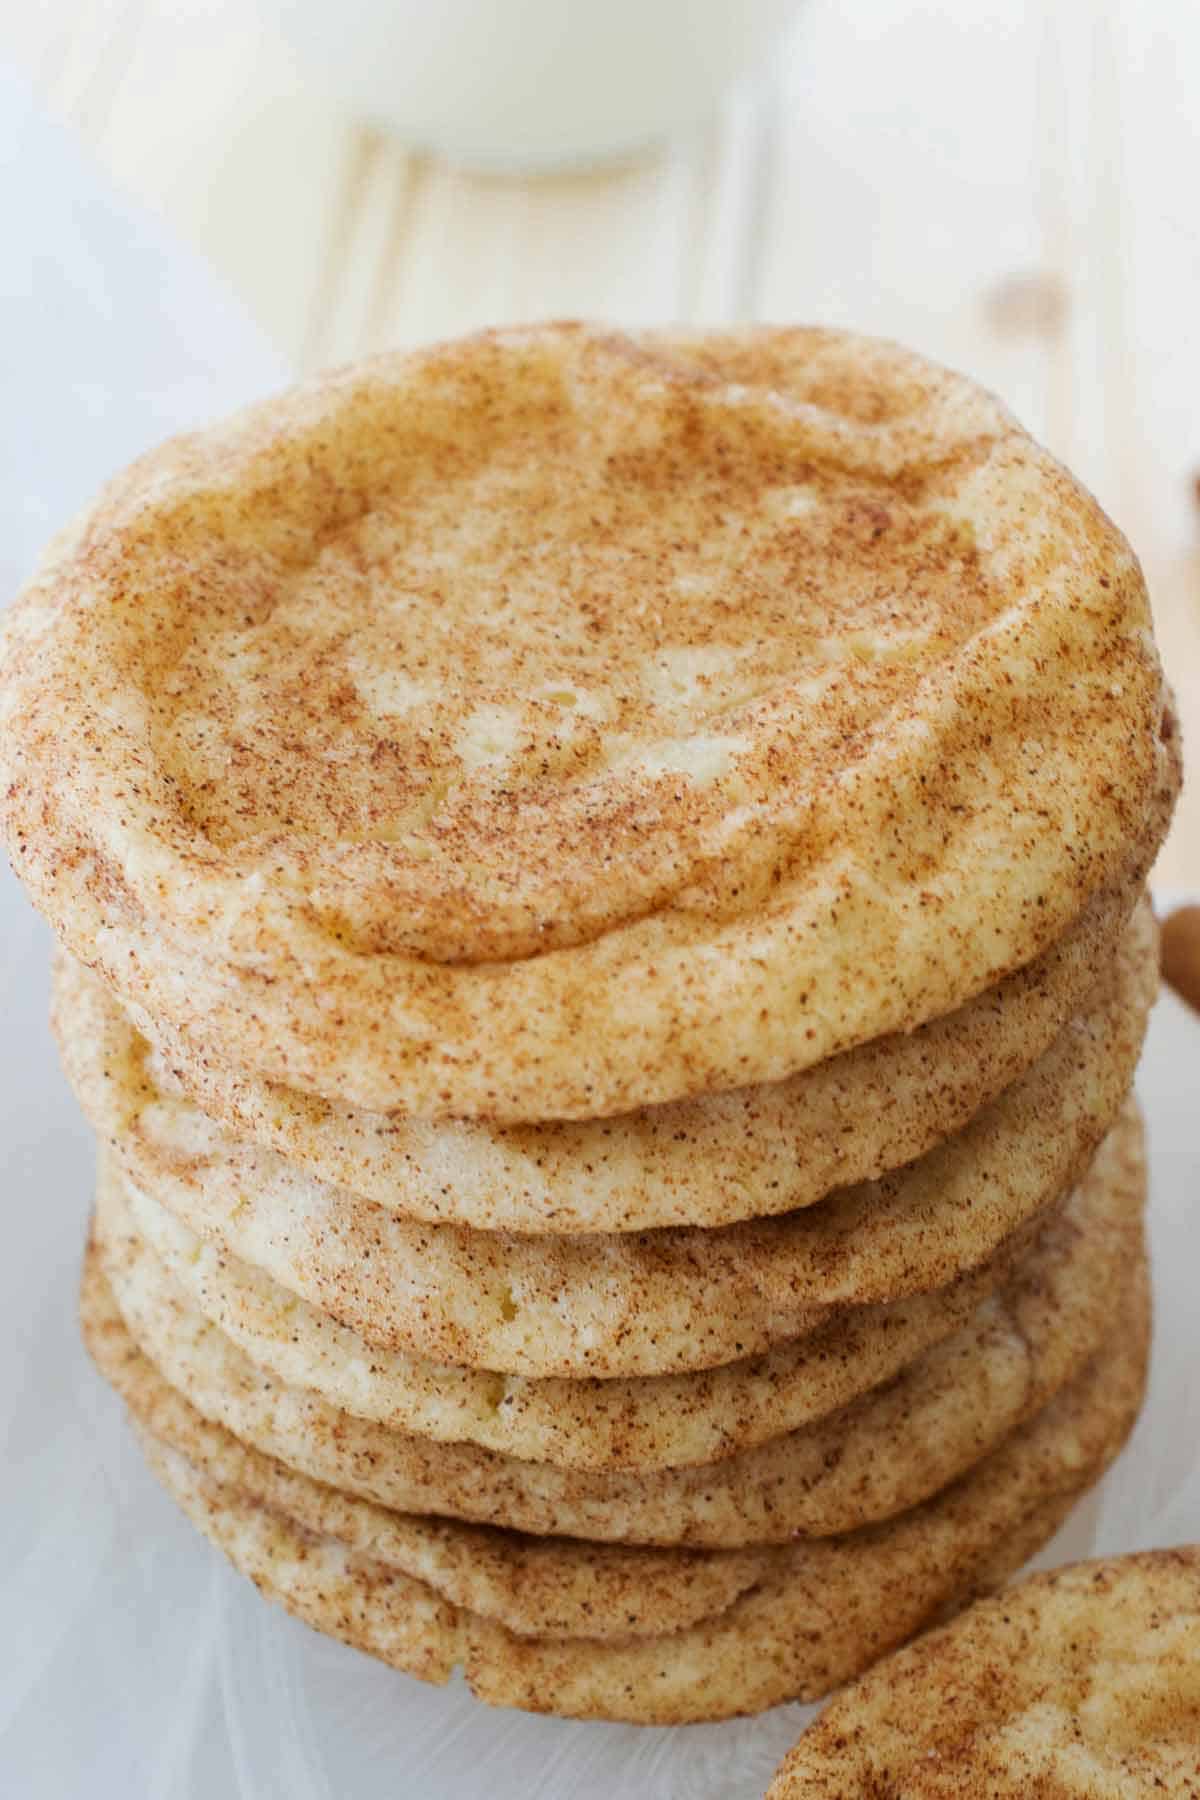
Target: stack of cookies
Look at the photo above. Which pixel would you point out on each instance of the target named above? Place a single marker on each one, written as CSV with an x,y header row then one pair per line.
x,y
600,883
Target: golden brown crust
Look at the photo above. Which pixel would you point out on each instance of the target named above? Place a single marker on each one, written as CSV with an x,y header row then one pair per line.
x,y
636,1304
1076,1684
663,1421
428,738
884,1452
711,1161
533,1585
827,1609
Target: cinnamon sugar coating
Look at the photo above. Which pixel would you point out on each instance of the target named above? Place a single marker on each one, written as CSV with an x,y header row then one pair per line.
x,y
561,721
875,1457
823,1611
1074,1684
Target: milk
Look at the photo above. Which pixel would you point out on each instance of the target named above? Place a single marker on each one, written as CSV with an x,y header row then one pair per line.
x,y
523,84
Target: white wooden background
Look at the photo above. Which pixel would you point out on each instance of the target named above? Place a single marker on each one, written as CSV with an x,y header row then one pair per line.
x,y
1011,185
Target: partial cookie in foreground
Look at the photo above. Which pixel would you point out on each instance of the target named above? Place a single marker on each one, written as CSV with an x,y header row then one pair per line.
x,y
1078,1684
275,758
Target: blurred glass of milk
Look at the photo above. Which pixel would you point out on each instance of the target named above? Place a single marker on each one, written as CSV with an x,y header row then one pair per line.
x,y
527,84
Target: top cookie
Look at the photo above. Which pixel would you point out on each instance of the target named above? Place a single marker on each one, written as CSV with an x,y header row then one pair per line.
x,y
1075,1685
559,721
